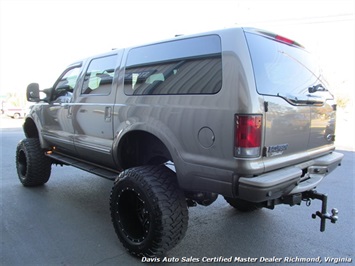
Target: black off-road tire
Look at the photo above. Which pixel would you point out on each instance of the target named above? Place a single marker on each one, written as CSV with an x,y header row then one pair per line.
x,y
242,205
33,167
148,210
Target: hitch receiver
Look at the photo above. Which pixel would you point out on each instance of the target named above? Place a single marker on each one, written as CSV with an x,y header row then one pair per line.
x,y
323,215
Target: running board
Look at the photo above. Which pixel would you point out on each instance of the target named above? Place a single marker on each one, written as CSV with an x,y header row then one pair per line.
x,y
103,172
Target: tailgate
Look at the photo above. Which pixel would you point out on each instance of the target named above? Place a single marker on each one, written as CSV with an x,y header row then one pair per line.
x,y
299,110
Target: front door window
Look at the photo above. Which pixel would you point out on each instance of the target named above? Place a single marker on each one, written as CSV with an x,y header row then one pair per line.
x,y
65,85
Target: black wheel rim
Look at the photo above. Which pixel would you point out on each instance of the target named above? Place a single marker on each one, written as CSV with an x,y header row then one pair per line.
x,y
133,216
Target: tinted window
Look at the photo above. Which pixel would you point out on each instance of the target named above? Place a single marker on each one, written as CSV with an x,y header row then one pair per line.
x,y
189,66
67,82
99,76
280,68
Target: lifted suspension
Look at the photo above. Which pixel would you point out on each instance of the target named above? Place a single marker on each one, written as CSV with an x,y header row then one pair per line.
x,y
323,214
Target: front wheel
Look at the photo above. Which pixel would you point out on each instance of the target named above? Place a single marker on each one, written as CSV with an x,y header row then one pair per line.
x,y
33,167
148,210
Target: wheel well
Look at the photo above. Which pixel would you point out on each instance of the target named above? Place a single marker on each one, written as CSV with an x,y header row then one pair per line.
x,y
141,148
30,129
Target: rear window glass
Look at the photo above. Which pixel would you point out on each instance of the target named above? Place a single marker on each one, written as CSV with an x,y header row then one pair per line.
x,y
280,68
189,66
99,76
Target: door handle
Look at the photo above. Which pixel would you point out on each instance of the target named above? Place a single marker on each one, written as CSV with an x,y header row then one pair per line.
x,y
70,110
108,113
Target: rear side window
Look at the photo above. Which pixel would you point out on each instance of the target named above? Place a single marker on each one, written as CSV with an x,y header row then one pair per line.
x,y
189,66
99,76
280,68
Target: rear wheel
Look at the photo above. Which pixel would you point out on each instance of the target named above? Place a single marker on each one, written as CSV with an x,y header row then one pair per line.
x,y
148,210
33,167
242,205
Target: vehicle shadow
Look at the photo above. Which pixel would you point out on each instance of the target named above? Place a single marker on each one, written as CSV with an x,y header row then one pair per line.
x,y
68,222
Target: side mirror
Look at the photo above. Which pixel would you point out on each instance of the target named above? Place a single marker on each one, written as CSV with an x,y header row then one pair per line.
x,y
33,92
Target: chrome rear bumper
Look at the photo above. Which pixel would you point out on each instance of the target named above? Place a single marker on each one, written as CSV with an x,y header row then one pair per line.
x,y
290,180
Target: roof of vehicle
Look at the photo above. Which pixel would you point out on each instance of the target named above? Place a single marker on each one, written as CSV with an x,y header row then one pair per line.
x,y
265,33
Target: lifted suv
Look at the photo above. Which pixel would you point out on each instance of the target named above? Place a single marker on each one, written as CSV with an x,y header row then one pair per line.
x,y
239,112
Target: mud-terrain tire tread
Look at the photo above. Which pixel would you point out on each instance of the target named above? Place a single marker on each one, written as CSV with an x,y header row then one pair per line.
x,y
166,201
33,167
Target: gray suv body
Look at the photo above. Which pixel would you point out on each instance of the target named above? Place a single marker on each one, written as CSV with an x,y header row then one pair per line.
x,y
238,112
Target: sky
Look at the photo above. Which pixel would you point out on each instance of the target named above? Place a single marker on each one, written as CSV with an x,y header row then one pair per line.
x,y
38,39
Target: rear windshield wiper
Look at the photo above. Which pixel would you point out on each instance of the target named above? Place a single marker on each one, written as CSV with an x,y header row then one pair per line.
x,y
301,100
318,87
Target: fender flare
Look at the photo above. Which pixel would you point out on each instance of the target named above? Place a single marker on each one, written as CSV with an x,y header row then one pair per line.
x,y
156,128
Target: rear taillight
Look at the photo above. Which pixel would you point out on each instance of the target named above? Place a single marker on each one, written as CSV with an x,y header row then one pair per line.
x,y
248,135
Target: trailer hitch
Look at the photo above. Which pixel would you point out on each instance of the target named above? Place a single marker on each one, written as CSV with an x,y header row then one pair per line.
x,y
323,215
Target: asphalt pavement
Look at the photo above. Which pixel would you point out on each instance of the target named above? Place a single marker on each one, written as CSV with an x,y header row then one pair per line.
x,y
67,222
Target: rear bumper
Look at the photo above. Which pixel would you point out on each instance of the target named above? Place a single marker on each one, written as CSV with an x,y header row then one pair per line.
x,y
286,181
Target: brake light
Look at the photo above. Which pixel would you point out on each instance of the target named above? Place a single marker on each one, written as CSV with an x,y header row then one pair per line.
x,y
283,39
280,38
248,135
287,41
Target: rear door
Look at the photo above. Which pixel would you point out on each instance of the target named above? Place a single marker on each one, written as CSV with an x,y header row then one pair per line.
x,y
323,117
93,111
295,118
